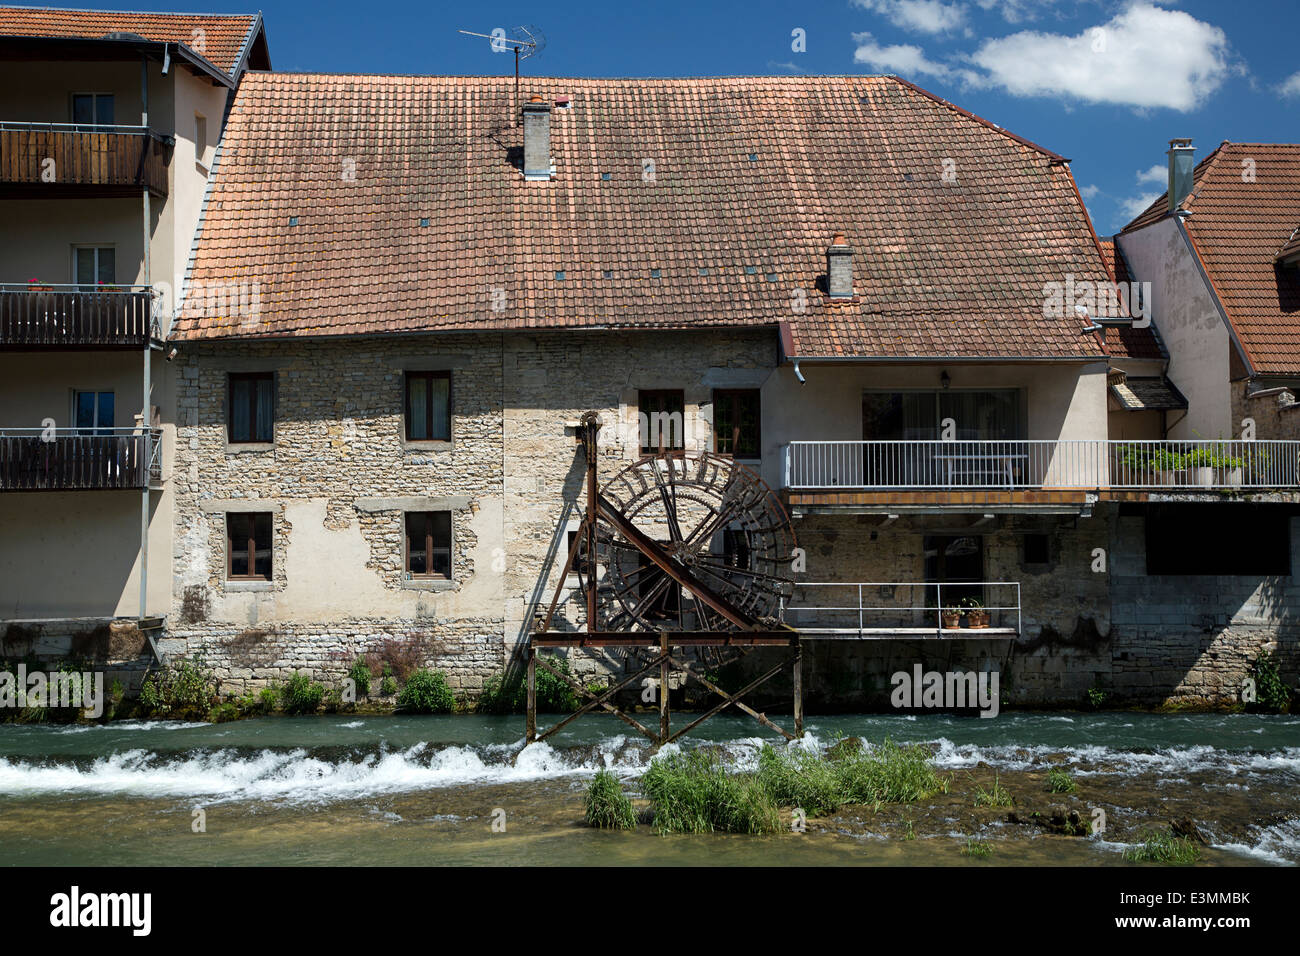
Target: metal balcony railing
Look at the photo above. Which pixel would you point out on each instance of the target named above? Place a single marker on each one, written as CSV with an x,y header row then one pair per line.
x,y
882,609
73,459
39,315
1040,464
82,158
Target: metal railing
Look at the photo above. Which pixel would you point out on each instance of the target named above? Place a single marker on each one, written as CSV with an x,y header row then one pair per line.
x,y
51,315
881,609
71,459
1038,464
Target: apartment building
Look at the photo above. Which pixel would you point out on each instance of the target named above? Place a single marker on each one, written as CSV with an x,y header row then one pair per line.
x,y
108,127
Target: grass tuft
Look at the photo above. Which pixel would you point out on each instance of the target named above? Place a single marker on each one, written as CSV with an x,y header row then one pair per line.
x,y
996,796
607,806
1060,781
692,793
1159,847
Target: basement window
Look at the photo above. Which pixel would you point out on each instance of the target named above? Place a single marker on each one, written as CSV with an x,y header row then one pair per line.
x,y
1233,538
428,406
662,419
428,544
251,403
248,546
737,414
1037,549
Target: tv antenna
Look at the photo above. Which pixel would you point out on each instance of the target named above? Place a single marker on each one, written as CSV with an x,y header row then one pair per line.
x,y
525,40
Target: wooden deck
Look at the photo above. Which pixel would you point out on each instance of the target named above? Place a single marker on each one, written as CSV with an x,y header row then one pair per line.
x,y
55,160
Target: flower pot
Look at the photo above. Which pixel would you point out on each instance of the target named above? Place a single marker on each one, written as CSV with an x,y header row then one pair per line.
x,y
951,621
977,617
1230,477
1203,476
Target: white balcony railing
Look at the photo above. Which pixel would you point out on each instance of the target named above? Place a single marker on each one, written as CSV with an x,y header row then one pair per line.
x,y
877,609
1076,464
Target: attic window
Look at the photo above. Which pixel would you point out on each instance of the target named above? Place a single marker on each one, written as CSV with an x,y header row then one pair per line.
x,y
654,273
559,276
606,176
771,277
424,222
751,270
293,220
607,274
704,270
753,157
907,176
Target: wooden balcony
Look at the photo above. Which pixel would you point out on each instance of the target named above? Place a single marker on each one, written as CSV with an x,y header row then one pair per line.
x,y
62,160
70,317
70,459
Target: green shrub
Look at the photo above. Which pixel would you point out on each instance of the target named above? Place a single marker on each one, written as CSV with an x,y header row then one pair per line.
x,y
1271,692
800,778
607,806
889,774
426,692
977,849
301,695
692,793
509,695
183,687
267,698
1163,848
360,674
388,686
1059,781
996,796
1096,697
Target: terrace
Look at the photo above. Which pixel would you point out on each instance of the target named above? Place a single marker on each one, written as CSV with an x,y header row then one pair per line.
x,y
40,160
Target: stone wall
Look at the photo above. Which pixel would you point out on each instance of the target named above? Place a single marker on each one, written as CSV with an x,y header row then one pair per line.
x,y
1276,415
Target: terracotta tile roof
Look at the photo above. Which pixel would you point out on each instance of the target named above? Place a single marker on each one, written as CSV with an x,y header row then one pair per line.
x,y
751,179
1238,226
1291,248
224,37
1126,341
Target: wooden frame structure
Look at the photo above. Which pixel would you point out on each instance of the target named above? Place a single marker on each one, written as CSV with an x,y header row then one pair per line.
x,y
742,629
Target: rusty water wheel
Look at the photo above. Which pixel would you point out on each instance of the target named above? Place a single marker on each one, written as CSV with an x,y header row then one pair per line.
x,y
715,518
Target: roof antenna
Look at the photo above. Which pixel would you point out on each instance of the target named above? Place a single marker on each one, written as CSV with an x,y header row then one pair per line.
x,y
525,40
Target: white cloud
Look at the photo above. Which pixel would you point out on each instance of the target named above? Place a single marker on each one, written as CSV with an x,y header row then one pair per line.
x,y
923,16
1157,175
1135,204
1089,192
900,58
1016,11
1291,85
1144,56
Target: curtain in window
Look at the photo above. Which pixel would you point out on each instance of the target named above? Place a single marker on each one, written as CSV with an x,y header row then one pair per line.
x,y
418,397
241,426
440,395
264,409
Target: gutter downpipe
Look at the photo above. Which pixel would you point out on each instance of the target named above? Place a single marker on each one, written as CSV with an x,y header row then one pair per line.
x,y
147,385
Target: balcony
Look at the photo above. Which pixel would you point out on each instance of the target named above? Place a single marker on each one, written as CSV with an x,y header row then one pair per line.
x,y
68,459
1043,474
74,317
892,610
61,160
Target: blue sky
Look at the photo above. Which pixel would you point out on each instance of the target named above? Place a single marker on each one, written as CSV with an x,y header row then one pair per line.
x,y
1105,83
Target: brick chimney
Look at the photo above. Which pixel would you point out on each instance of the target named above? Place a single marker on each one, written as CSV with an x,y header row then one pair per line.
x,y
839,268
537,139
1181,164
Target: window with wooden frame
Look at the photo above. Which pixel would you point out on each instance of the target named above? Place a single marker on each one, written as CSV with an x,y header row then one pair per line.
x,y
428,406
92,109
250,400
736,422
662,419
248,546
428,544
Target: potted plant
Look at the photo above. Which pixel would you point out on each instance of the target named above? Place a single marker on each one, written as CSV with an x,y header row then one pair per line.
x,y
1168,466
1200,462
36,285
977,614
951,617
1229,468
1135,466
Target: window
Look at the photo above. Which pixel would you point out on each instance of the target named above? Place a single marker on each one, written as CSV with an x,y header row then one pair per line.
x,y
428,544
93,412
919,415
956,562
736,418
1233,538
201,139
248,546
662,419
428,406
252,407
1038,549
94,266
92,108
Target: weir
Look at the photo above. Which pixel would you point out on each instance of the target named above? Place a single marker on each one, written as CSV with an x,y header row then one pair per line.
x,y
696,552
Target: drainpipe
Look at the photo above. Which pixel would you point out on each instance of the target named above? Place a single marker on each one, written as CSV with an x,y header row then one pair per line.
x,y
798,374
145,418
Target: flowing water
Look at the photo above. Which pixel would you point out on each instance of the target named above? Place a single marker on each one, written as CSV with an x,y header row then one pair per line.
x,y
428,790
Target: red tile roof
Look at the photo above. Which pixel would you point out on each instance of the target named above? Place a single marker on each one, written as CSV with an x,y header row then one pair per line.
x,y
751,179
1244,207
223,37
